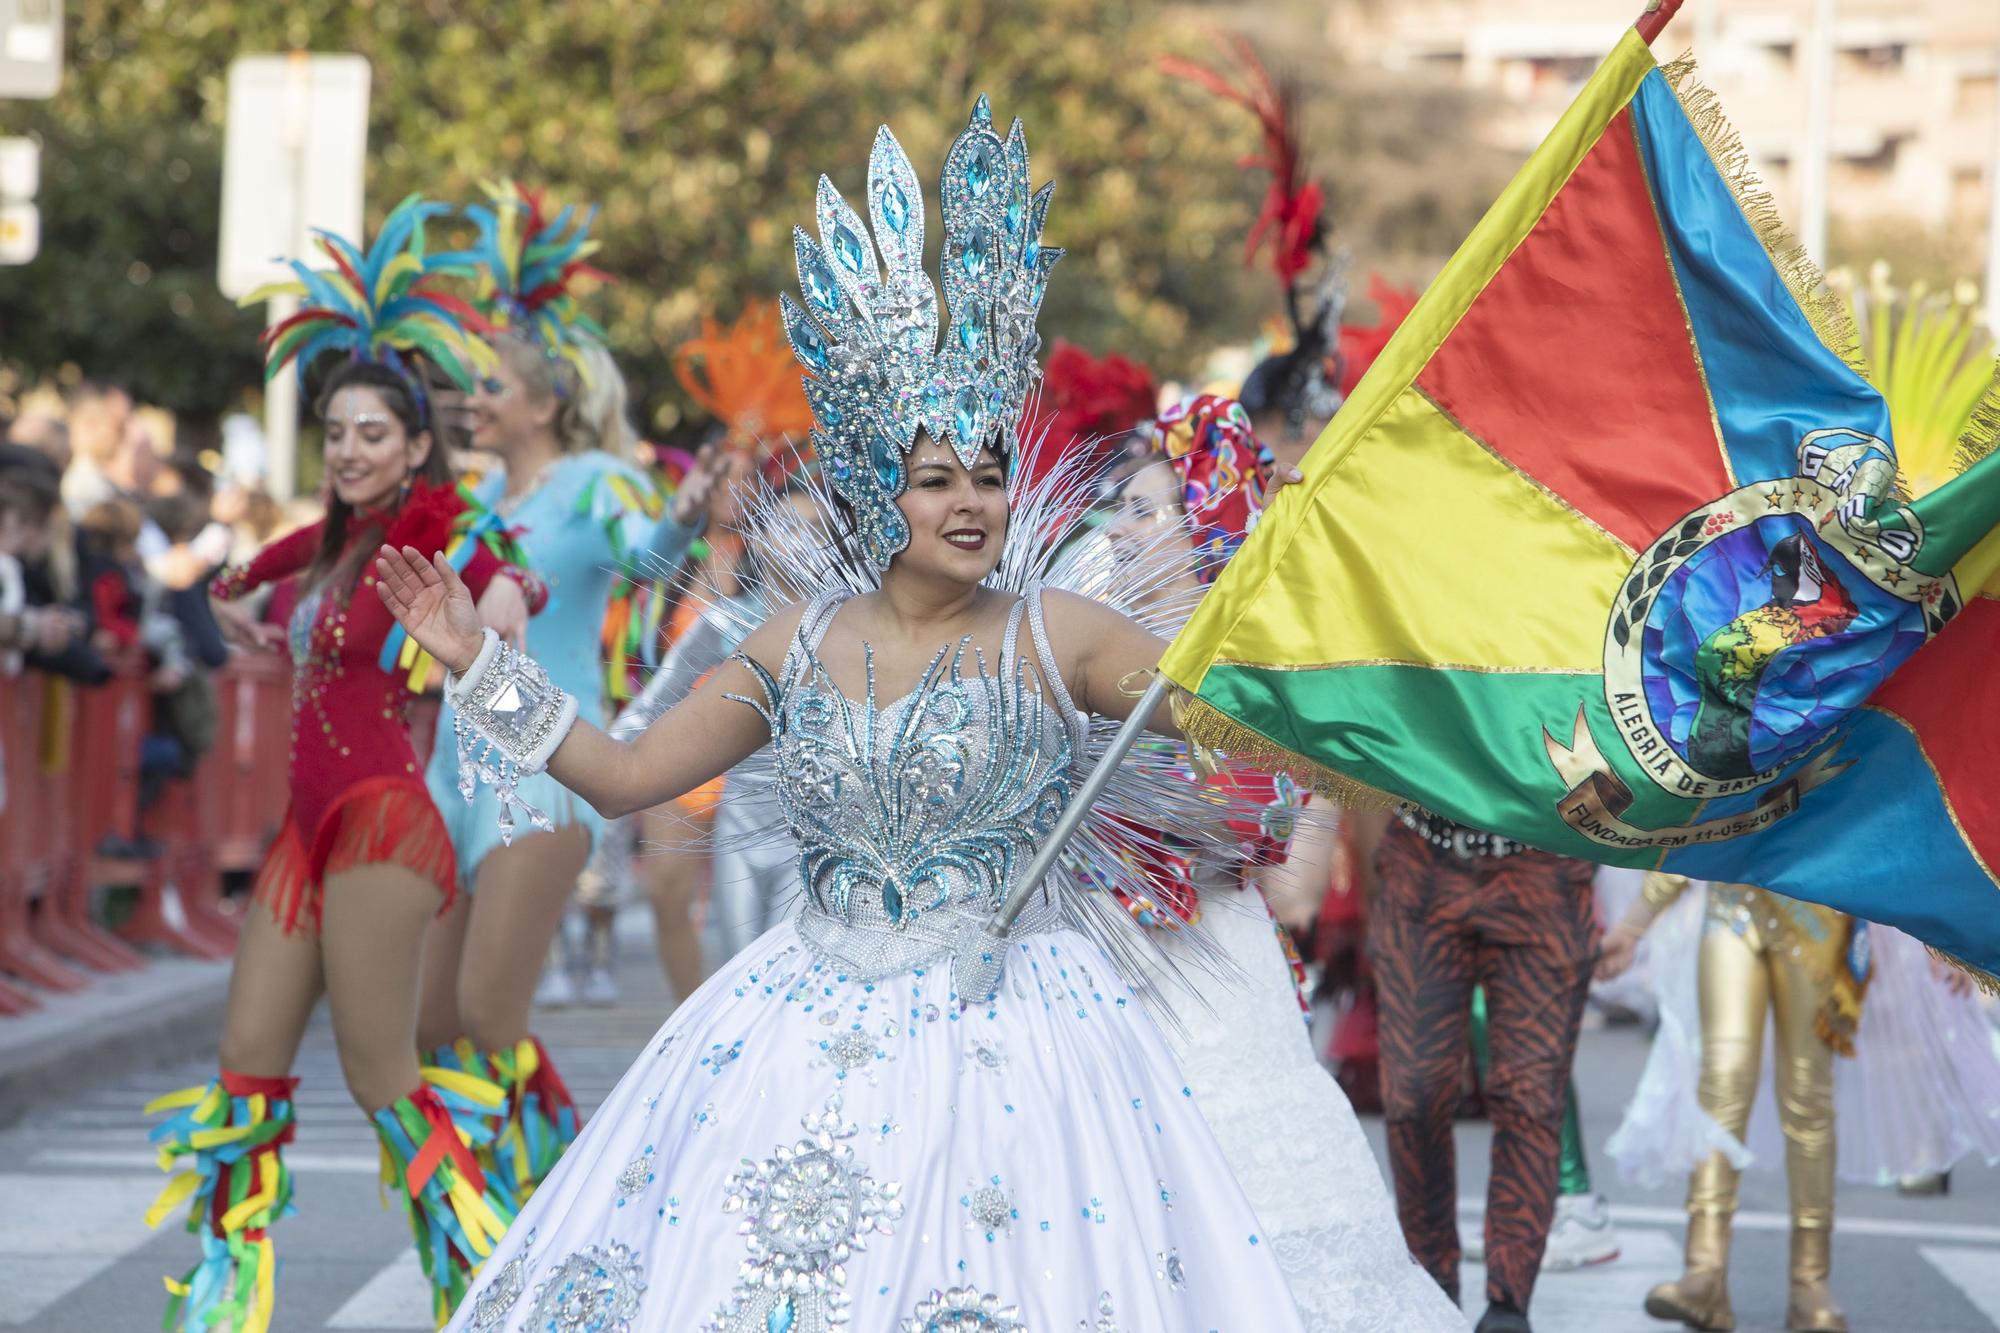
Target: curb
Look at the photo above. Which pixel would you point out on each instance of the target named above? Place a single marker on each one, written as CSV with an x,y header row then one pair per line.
x,y
169,1011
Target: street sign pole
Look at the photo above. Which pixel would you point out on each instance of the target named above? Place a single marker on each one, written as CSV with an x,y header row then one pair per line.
x,y
281,391
1818,49
31,48
281,414
294,149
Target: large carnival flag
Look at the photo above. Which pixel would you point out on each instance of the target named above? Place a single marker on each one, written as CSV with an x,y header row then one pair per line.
x,y
1609,552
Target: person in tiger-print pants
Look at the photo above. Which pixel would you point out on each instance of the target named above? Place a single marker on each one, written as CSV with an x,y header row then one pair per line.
x,y
1459,908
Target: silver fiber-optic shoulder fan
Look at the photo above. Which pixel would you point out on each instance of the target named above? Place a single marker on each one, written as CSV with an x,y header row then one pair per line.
x,y
867,330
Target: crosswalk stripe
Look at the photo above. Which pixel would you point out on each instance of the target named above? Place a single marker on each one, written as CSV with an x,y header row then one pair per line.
x,y
396,1297
1604,1298
79,1226
1973,1272
302,1163
1888,1228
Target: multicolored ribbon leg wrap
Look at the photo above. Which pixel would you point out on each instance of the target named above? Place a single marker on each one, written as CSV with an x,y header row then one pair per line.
x,y
456,1211
541,1116
230,1132
536,1120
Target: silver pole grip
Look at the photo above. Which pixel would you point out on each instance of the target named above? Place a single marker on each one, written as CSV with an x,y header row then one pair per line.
x,y
978,964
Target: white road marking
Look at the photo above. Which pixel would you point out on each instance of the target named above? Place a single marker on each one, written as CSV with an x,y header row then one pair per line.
x,y
79,1226
396,1297
1604,1298
1885,1227
302,1163
1973,1272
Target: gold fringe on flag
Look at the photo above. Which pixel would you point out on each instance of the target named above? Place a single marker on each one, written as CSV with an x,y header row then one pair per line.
x,y
1822,307
1211,731
1982,432
1981,978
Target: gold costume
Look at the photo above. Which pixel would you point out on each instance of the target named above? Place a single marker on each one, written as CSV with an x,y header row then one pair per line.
x,y
1764,953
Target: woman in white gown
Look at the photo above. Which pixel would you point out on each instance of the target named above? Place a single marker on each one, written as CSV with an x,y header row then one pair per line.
x,y
823,1136
1285,1127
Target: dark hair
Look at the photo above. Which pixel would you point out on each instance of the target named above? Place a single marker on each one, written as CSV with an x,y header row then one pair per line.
x,y
28,494
181,516
397,393
846,533
94,391
109,524
1299,382
24,462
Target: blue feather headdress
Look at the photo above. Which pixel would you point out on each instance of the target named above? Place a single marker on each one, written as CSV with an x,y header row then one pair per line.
x,y
384,306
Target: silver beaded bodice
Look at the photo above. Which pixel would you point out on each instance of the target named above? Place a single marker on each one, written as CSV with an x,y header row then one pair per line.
x,y
914,818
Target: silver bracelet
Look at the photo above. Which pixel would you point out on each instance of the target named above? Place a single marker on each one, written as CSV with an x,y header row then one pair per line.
x,y
508,717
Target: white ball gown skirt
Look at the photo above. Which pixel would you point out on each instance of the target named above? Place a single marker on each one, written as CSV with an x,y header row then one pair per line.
x,y
1289,1135
798,1151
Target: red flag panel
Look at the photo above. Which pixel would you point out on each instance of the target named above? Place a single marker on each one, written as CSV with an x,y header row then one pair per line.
x,y
1576,362
1946,694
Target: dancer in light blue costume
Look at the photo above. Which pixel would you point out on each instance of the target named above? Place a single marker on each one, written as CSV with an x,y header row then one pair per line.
x,y
585,519
824,1136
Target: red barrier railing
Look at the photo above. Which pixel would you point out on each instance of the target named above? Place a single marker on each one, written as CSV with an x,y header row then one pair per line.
x,y
71,759
33,714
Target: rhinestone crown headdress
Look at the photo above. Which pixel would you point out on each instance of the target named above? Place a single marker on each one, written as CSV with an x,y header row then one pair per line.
x,y
868,328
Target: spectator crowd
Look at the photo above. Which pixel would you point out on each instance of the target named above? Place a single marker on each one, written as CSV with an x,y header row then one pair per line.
x,y
112,521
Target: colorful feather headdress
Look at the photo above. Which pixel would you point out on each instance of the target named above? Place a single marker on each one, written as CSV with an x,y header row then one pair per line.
x,y
746,376
528,263
384,306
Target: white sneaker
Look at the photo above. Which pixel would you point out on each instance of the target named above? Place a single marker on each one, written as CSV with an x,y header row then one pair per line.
x,y
1581,1235
600,988
557,989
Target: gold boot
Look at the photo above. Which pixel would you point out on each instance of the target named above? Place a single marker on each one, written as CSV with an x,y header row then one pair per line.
x,y
1811,1308
1700,1299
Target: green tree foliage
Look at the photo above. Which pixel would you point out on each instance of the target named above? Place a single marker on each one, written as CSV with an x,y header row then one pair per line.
x,y
699,129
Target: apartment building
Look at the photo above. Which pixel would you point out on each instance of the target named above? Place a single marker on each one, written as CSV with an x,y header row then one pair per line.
x,y
1916,84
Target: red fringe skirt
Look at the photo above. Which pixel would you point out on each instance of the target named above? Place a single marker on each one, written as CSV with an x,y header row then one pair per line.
x,y
389,822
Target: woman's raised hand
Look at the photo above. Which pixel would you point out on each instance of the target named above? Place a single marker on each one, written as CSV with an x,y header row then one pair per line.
x,y
432,603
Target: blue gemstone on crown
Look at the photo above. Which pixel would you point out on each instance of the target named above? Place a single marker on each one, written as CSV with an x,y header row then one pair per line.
x,y
965,414
978,244
888,465
847,247
806,341
821,288
979,169
895,207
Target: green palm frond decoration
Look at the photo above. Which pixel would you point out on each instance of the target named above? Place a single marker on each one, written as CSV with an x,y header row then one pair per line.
x,y
1934,364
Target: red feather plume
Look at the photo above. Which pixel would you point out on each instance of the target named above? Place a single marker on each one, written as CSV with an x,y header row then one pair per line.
x,y
1293,216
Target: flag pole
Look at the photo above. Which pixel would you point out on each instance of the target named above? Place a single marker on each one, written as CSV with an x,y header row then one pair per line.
x,y
1657,14
978,971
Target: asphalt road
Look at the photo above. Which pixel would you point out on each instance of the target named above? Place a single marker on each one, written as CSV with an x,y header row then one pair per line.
x,y
76,1176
